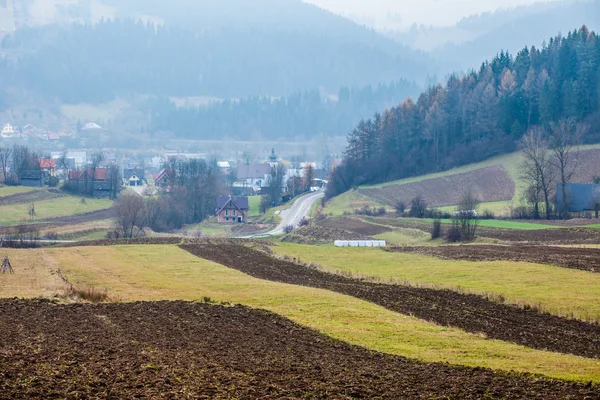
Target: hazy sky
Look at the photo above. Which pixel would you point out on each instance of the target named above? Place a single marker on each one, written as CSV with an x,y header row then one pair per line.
x,y
428,12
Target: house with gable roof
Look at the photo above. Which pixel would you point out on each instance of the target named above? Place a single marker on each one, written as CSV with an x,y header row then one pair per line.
x,y
231,210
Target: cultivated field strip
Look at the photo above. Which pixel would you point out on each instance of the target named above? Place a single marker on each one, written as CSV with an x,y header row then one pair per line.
x,y
568,257
447,308
572,235
31,197
192,350
489,184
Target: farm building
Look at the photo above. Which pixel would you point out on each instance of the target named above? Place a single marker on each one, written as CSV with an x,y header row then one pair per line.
x,y
232,209
34,178
580,197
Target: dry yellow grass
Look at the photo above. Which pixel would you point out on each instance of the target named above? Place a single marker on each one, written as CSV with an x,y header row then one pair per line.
x,y
37,274
132,273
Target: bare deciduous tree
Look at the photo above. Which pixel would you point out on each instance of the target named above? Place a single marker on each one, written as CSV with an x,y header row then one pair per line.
x,y
97,158
130,214
275,184
5,157
418,207
537,168
466,215
63,163
566,135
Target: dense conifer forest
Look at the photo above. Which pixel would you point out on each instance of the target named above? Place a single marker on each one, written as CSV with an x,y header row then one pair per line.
x,y
477,116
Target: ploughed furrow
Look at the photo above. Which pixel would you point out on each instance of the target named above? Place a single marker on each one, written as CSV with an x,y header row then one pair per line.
x,y
192,350
566,257
471,313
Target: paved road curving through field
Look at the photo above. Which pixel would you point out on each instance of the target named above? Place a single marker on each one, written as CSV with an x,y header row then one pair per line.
x,y
293,215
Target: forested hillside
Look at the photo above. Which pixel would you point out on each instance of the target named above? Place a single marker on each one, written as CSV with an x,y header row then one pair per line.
x,y
96,63
300,115
479,115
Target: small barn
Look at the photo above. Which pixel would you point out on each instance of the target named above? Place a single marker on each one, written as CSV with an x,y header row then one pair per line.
x,y
232,210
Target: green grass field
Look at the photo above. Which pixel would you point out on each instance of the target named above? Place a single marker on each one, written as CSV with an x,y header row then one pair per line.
x,y
60,207
10,190
254,206
560,291
350,201
151,273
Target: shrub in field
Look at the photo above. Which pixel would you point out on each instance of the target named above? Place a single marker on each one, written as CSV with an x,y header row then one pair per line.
x,y
371,212
304,222
436,229
92,295
487,214
320,216
51,236
418,207
113,234
288,229
400,207
454,233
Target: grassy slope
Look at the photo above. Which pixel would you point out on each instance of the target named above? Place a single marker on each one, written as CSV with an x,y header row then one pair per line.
x,y
61,207
560,291
254,203
510,162
132,273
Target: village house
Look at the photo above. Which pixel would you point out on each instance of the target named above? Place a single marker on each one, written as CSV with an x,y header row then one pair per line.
x,y
162,179
252,178
134,177
9,132
48,165
231,210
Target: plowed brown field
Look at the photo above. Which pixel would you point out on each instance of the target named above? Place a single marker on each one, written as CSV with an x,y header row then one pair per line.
x,y
468,312
488,184
354,225
190,350
576,258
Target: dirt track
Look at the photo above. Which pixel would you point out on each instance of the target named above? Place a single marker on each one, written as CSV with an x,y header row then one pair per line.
x,y
575,258
468,312
186,350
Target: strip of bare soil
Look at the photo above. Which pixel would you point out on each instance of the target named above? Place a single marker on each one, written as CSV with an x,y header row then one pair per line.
x,y
575,258
187,350
468,312
355,225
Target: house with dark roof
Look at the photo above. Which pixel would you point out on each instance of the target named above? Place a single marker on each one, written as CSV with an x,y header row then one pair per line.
x,y
98,185
231,210
134,177
34,178
251,178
